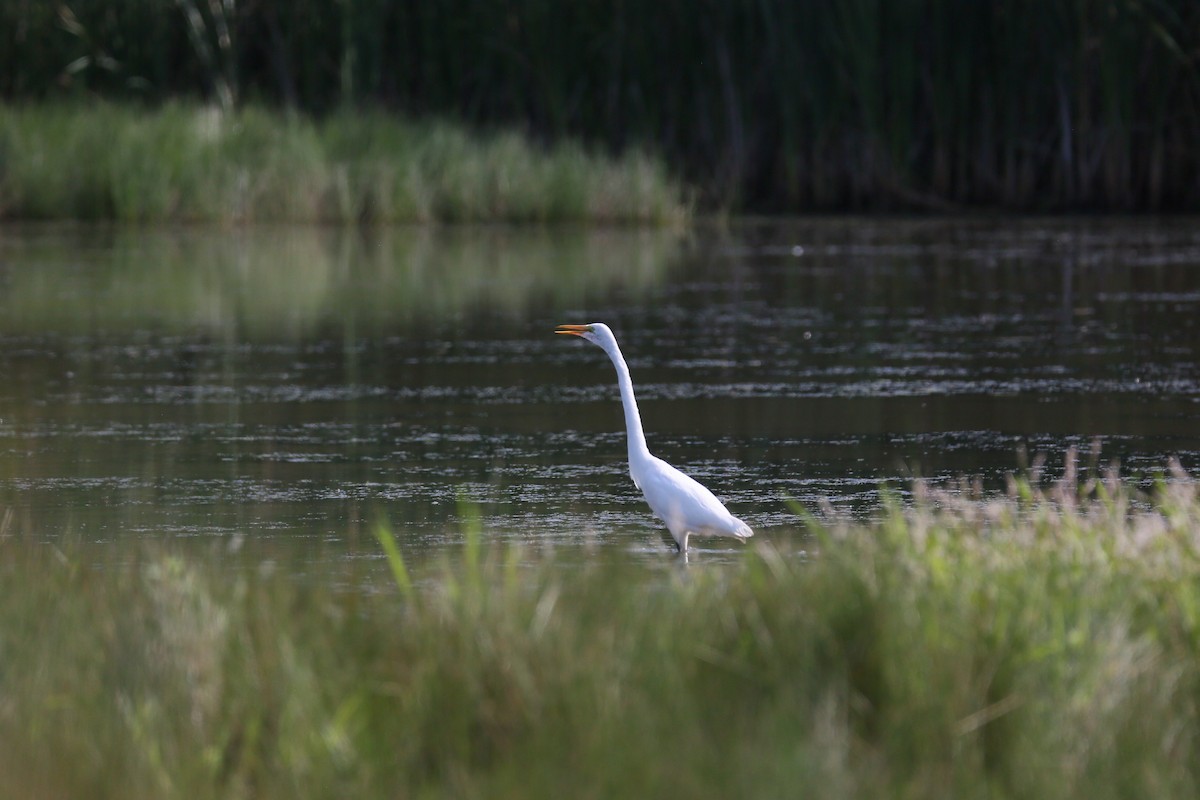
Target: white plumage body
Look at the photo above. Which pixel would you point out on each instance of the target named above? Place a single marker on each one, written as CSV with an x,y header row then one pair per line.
x,y
685,505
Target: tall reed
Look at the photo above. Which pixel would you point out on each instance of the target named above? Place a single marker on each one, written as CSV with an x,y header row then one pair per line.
x,y
768,104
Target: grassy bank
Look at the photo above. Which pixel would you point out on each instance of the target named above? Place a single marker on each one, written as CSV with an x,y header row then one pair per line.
x,y
766,104
1043,644
190,163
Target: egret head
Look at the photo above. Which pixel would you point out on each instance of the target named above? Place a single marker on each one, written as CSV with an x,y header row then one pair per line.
x,y
597,333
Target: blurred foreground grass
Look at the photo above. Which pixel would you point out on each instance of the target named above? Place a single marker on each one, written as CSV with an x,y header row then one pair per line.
x,y
192,163
1041,644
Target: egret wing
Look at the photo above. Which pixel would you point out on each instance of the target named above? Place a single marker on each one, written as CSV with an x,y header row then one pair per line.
x,y
684,504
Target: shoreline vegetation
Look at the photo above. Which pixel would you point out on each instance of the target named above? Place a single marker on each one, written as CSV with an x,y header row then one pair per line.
x,y
765,106
192,163
1039,643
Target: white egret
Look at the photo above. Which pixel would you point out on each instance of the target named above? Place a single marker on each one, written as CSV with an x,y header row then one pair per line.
x,y
687,508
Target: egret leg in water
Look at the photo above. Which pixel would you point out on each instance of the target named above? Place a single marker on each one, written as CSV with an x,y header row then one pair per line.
x,y
687,508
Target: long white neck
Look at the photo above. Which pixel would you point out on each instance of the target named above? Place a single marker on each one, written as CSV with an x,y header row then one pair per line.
x,y
633,421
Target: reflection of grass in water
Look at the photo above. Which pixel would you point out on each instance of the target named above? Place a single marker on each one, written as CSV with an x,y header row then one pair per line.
x,y
1039,645
194,164
286,281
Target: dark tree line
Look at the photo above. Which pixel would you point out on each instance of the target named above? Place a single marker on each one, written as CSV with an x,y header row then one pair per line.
x,y
764,104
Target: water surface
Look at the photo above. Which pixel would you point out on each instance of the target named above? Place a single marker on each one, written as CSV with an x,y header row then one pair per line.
x,y
283,388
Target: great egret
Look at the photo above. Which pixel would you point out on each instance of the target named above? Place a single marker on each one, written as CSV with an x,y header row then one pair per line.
x,y
687,508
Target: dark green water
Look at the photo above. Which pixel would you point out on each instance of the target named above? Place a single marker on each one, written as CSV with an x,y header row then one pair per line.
x,y
283,388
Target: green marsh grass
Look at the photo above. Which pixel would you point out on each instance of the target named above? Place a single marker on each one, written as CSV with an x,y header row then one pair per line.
x,y
191,163
770,105
1044,643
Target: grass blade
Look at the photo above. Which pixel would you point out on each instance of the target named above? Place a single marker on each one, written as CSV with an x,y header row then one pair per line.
x,y
387,541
